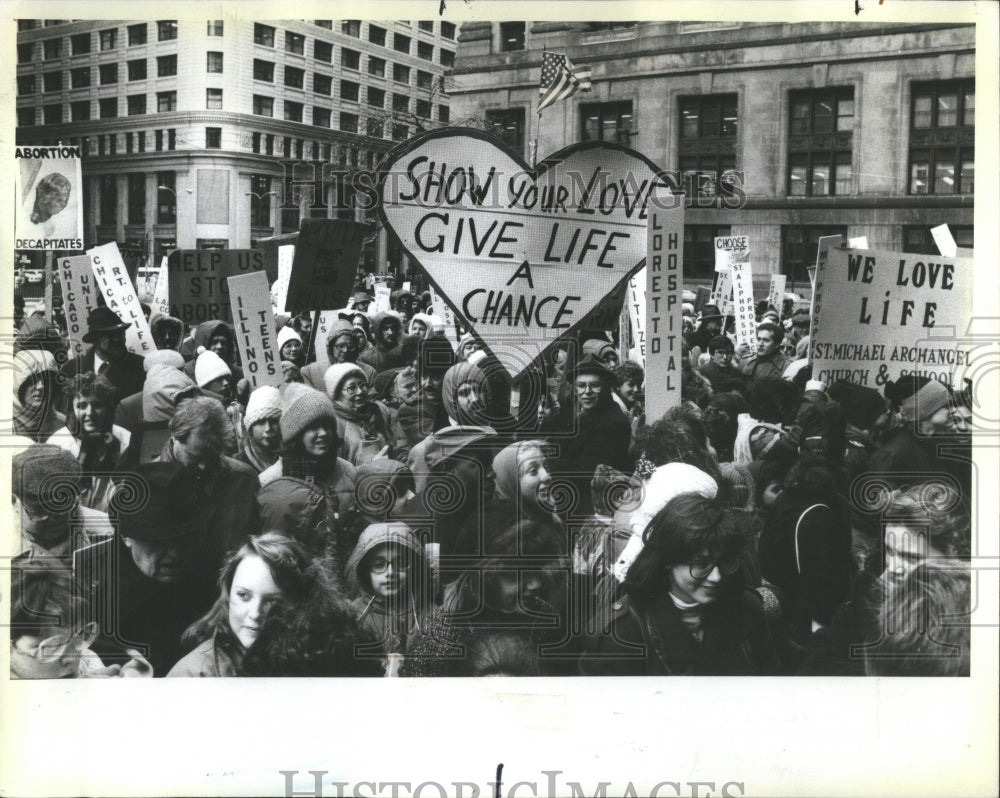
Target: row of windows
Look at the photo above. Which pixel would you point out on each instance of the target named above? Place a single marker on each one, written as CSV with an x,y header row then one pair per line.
x,y
376,33
293,111
294,77
295,43
820,138
83,43
135,206
108,74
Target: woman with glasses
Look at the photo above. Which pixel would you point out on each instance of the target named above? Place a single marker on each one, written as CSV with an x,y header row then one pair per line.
x,y
389,575
686,610
265,570
364,425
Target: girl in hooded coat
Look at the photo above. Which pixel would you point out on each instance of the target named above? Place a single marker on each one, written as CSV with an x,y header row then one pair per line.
x,y
390,576
468,401
522,481
35,384
364,426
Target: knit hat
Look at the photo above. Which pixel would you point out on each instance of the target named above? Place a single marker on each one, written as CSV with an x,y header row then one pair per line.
x,y
424,319
306,408
334,376
286,334
209,366
598,348
46,472
31,362
925,402
163,357
264,403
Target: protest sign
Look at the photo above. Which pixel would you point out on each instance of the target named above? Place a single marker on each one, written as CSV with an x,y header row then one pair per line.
x,y
743,304
440,308
113,282
79,293
253,323
324,322
722,292
861,242
161,294
636,302
382,295
324,265
522,255
49,212
776,292
916,306
664,286
279,291
198,281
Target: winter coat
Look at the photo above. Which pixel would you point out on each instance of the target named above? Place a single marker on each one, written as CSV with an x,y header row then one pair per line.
x,y
380,357
126,375
420,419
904,454
97,488
772,365
202,338
828,649
338,486
362,436
648,638
164,388
206,660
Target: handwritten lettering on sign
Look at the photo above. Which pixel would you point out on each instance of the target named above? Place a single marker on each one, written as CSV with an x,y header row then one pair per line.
x,y
253,322
119,295
79,292
521,255
198,288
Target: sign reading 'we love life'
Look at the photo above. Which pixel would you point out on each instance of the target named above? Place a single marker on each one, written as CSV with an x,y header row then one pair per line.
x,y
522,255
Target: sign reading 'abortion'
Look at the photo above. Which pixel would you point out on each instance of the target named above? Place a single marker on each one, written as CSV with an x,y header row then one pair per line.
x,y
521,255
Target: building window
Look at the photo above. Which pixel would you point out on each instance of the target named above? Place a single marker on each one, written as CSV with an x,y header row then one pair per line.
x,y
129,147
919,241
141,140
166,101
448,30
444,113
136,104
375,128
52,114
376,66
323,23
322,84
109,39
213,99
25,85
350,59
25,117
166,197
108,73
80,111
400,103
260,201
293,111
24,53
426,25
80,44
376,97
321,116
511,36
166,30
400,73
295,77
214,27
109,107
255,142
26,24
607,122
400,43
137,69
508,126
263,34
136,198
79,78
269,144
166,66
213,62
799,245
400,132
709,129
323,51
213,138
158,136
351,27
52,81
425,80
699,250
263,70
263,106
109,199
424,108
820,138
136,35
943,137
295,43
425,51
376,35
447,58
349,123
349,90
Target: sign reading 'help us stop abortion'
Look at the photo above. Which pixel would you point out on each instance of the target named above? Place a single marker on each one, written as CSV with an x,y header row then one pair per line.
x,y
522,255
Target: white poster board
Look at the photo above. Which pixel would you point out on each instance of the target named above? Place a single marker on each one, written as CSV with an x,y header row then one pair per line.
x,y
253,323
114,283
79,292
743,304
635,301
49,191
776,292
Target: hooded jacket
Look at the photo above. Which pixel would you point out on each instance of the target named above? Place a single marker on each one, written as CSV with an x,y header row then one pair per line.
x,y
165,387
380,357
203,338
40,424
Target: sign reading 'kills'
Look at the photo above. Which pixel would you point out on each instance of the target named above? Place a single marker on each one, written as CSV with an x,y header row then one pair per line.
x,y
522,255
198,288
326,261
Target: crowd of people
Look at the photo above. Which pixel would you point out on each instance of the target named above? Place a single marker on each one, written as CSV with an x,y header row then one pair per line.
x,y
409,510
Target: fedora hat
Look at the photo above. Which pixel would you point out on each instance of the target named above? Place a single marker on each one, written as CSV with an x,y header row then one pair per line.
x,y
101,321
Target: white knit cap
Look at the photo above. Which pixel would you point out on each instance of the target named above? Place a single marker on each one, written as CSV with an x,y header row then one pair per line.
x,y
264,402
209,366
337,373
163,357
286,334
666,482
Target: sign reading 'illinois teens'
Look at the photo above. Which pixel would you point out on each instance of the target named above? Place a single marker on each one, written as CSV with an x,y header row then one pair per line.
x,y
522,255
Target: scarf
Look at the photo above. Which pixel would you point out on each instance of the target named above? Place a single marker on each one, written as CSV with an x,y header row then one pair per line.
x,y
309,469
258,458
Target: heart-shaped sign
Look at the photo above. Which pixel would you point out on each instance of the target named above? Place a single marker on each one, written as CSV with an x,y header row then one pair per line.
x,y
522,255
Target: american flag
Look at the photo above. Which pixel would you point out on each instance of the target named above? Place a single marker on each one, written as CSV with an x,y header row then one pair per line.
x,y
560,79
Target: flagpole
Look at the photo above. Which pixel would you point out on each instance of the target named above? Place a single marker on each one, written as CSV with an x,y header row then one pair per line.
x,y
538,122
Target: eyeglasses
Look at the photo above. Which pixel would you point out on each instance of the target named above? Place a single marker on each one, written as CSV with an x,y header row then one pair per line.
x,y
53,648
702,567
591,387
354,388
379,565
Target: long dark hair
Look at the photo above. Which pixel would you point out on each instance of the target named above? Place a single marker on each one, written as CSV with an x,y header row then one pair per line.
x,y
687,527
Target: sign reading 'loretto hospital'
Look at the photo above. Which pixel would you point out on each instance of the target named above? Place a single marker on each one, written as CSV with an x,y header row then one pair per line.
x,y
522,255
